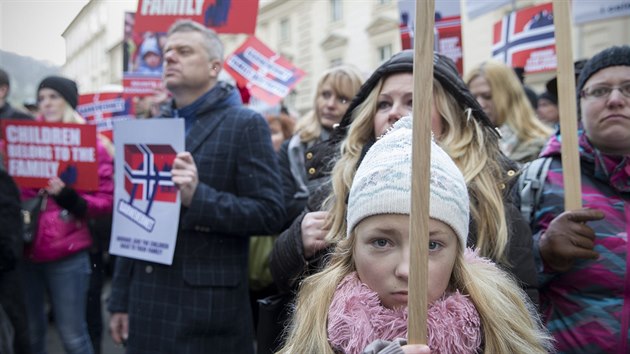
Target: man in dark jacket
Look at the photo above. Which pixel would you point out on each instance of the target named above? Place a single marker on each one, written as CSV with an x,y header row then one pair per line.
x,y
14,324
230,189
6,111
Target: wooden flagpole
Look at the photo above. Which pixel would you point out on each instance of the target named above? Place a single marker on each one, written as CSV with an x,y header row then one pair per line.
x,y
420,170
567,106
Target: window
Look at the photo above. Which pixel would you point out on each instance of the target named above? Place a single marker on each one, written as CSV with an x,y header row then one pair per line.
x,y
383,2
285,30
336,7
384,52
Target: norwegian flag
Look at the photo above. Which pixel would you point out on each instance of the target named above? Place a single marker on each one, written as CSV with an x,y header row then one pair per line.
x,y
525,38
148,173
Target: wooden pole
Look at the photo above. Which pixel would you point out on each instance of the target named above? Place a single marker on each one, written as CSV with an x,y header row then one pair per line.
x,y
567,106
420,171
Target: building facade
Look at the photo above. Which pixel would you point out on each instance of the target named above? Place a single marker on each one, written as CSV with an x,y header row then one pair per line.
x,y
94,44
588,38
314,35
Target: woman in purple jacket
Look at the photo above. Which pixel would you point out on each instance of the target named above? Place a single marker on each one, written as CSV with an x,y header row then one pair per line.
x,y
57,261
582,255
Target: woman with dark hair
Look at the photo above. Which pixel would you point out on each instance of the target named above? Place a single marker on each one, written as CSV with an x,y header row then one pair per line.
x,y
581,255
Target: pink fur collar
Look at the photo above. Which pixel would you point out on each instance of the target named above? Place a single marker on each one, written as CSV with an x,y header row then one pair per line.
x,y
356,318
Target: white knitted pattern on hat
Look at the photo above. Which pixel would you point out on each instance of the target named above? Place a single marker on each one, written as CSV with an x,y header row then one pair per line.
x,y
382,184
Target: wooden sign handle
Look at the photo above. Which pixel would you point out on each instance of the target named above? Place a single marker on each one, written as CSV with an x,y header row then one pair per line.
x,y
420,171
567,106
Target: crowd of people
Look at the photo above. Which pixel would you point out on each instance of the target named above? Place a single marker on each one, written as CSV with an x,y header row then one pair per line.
x,y
321,206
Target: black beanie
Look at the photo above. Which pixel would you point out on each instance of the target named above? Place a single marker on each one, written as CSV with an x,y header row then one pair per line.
x,y
66,88
444,71
613,56
552,85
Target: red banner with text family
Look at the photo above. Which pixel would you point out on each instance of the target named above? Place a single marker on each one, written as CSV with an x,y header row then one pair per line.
x,y
267,75
34,152
223,16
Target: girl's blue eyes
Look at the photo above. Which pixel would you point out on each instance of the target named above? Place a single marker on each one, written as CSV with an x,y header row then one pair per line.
x,y
383,105
380,243
433,245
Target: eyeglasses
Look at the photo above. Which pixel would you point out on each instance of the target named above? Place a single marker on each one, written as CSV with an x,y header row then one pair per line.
x,y
605,91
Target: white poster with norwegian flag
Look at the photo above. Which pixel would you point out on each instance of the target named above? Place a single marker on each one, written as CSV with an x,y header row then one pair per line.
x,y
145,197
526,39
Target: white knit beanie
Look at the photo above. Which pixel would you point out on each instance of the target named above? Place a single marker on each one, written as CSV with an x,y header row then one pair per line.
x,y
382,183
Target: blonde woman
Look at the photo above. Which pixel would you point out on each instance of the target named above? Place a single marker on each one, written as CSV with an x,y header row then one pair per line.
x,y
57,262
335,89
503,99
358,303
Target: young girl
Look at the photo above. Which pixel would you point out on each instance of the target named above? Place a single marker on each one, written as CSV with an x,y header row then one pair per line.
x,y
360,298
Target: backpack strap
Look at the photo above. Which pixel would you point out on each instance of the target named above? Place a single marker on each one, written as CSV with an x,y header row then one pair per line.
x,y
530,183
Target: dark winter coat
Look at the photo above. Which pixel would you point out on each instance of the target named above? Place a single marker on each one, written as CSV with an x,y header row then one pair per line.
x,y
200,303
8,112
11,296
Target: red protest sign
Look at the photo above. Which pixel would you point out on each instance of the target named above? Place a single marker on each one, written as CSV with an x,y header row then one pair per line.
x,y
142,59
267,75
103,109
36,151
449,40
447,31
224,16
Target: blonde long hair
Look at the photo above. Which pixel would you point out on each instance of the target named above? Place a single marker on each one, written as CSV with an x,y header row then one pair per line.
x,y
510,101
71,116
360,132
345,81
475,150
466,141
509,324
